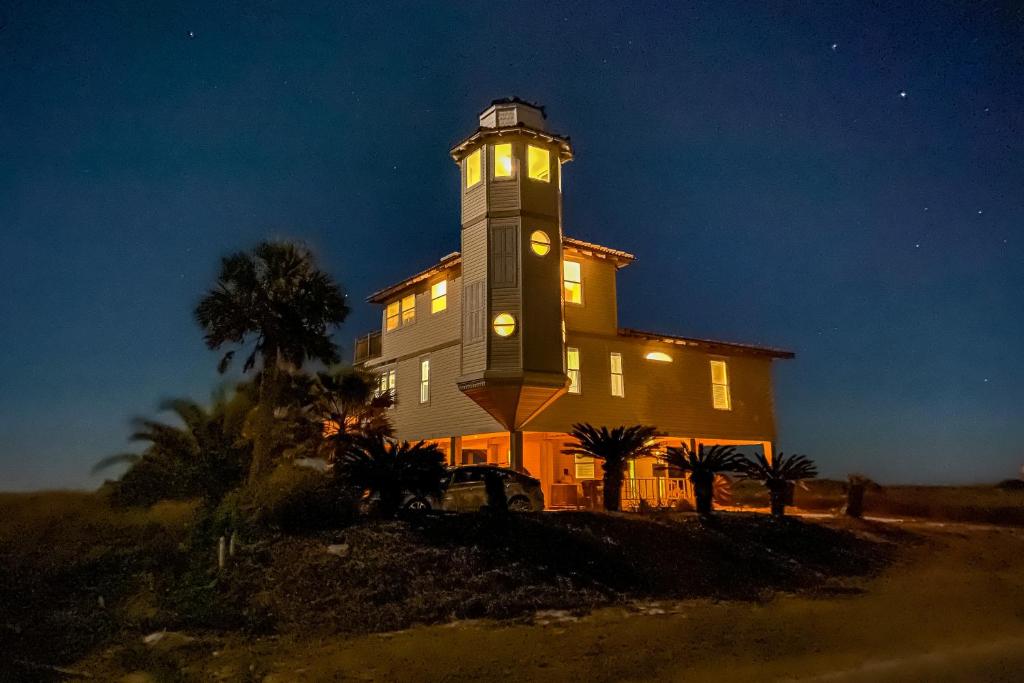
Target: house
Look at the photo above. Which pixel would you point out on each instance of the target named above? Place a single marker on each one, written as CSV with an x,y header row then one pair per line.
x,y
495,351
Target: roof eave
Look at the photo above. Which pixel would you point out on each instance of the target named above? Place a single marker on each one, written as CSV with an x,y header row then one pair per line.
x,y
710,344
564,143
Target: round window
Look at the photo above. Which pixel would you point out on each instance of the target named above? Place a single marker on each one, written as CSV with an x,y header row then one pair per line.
x,y
540,243
504,324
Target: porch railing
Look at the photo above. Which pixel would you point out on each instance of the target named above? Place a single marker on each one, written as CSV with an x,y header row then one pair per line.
x,y
659,492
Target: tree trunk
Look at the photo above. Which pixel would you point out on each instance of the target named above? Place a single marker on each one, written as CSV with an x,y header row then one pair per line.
x,y
612,490
263,423
778,502
389,503
497,499
703,493
855,500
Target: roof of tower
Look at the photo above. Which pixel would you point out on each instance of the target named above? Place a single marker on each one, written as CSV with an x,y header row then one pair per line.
x,y
516,100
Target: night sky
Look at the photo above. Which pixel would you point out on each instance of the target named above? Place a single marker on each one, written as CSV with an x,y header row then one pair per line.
x,y
843,181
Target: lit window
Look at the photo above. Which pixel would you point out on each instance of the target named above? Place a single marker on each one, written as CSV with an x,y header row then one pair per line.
x,y
473,169
572,282
393,318
424,380
401,312
720,397
540,243
572,364
585,467
439,296
385,383
409,309
659,356
503,160
504,324
538,162
615,360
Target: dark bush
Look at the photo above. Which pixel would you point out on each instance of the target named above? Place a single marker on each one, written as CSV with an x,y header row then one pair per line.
x,y
296,499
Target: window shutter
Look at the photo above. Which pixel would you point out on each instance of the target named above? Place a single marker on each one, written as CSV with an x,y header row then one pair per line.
x,y
720,396
504,256
474,312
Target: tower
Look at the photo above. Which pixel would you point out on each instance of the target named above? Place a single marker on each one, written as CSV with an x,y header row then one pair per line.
x,y
513,345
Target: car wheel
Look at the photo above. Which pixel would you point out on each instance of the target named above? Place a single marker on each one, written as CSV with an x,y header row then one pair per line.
x,y
418,505
520,504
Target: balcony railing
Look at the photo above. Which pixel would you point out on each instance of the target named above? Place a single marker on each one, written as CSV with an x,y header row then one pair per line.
x,y
367,347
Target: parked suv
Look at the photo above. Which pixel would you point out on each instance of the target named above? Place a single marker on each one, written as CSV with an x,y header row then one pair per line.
x,y
464,491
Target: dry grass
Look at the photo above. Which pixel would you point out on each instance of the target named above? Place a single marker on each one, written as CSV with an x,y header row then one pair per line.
x,y
977,504
155,569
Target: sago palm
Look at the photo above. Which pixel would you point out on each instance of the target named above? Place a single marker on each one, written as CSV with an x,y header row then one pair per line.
x,y
388,469
703,465
778,476
614,448
275,301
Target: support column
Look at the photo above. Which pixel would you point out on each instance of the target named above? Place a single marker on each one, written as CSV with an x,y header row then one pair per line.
x,y
515,450
454,450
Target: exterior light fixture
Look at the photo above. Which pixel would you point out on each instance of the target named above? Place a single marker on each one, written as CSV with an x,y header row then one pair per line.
x,y
504,324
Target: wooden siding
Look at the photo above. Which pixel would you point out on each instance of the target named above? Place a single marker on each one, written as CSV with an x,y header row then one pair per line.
x,y
541,325
430,329
598,311
505,352
503,194
449,412
674,397
474,270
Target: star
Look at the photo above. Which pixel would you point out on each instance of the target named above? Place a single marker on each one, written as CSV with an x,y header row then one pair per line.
x,y
917,245
903,94
980,212
191,34
835,46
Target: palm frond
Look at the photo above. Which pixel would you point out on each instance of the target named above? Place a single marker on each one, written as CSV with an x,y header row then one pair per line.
x,y
118,459
779,468
702,461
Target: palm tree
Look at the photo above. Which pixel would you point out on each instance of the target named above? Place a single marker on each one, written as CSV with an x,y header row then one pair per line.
x,y
778,476
319,416
389,469
856,485
204,456
346,405
703,466
614,449
277,300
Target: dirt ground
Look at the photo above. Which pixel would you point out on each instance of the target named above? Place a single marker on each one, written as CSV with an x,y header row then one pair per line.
x,y
951,610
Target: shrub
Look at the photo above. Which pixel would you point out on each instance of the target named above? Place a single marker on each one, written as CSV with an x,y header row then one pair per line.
x,y
292,499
